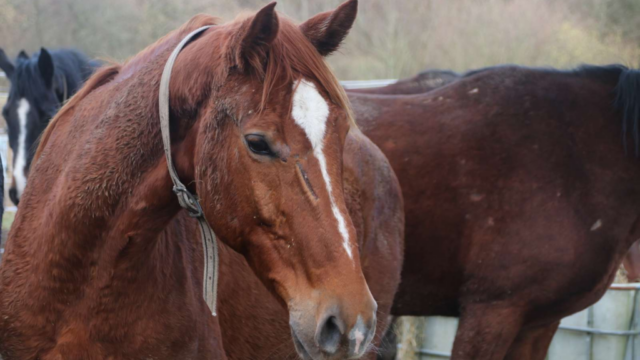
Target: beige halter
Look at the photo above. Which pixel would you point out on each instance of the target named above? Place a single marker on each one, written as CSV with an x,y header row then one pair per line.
x,y
186,199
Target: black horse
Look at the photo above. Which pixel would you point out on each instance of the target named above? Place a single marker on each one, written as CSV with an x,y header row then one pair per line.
x,y
39,86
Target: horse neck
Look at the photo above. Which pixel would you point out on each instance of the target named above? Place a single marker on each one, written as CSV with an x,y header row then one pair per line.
x,y
110,202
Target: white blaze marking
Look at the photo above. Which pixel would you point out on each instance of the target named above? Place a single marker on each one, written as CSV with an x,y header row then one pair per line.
x,y
21,153
311,111
359,337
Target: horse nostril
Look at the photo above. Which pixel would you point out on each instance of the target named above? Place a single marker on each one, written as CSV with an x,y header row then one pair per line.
x,y
360,336
330,335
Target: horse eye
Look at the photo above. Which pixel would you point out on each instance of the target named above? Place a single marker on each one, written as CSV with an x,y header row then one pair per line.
x,y
258,145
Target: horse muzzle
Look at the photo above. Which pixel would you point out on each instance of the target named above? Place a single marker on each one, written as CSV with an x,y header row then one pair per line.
x,y
334,335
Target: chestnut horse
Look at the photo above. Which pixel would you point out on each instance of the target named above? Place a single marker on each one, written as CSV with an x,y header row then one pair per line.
x,y
101,263
374,201
520,201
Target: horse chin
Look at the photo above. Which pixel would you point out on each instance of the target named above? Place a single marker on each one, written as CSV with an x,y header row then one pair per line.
x,y
300,348
307,353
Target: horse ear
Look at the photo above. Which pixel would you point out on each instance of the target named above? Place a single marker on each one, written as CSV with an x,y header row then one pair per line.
x,y
259,34
23,55
46,67
327,30
5,64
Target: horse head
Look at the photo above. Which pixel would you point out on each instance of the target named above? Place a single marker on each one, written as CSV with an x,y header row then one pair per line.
x,y
269,122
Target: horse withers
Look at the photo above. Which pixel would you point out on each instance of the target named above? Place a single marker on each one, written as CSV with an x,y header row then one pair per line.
x,y
101,263
39,86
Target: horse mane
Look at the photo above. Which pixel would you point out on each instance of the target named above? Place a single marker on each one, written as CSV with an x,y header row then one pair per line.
x,y
290,57
71,66
74,66
26,75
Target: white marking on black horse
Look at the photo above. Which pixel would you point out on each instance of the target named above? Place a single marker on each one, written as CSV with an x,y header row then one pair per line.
x,y
19,169
311,111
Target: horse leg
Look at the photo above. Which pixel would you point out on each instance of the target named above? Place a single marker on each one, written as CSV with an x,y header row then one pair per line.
x,y
533,343
486,331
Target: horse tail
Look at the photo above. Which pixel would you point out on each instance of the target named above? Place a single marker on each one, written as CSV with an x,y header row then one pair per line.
x,y
627,102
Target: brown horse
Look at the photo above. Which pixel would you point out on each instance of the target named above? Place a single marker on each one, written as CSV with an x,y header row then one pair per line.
x,y
374,200
423,82
101,263
432,79
520,201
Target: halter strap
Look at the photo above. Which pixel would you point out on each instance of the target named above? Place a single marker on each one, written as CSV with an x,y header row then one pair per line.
x,y
186,199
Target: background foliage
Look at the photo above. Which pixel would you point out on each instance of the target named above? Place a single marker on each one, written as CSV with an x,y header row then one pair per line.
x,y
392,38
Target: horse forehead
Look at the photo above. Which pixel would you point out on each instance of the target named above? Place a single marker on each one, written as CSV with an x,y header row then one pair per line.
x,y
310,111
19,103
23,106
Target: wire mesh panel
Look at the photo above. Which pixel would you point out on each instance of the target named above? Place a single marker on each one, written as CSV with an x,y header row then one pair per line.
x,y
608,330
